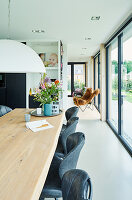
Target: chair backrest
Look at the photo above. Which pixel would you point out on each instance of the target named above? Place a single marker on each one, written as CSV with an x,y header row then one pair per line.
x,y
4,110
71,112
76,185
95,93
70,128
74,143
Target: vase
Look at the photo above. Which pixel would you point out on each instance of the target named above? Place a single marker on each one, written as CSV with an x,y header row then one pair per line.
x,y
47,109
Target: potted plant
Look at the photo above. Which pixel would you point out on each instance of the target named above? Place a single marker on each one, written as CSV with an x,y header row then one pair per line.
x,y
47,93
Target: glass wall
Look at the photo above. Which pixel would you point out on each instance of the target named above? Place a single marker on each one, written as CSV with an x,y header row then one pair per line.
x,y
76,77
126,90
97,80
69,79
113,83
119,85
79,76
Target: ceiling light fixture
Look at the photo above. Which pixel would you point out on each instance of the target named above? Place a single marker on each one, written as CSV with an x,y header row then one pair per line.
x,y
87,38
96,18
38,31
84,48
82,54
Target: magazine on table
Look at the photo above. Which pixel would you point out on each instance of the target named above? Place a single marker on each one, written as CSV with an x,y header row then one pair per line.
x,y
38,125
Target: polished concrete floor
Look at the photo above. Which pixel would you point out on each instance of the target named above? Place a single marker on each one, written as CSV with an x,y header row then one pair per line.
x,y
104,158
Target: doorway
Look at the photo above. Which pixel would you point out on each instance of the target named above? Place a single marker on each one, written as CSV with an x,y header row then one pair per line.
x,y
76,76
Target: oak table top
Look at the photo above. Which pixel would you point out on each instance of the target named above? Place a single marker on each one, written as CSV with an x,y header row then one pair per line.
x,y
25,156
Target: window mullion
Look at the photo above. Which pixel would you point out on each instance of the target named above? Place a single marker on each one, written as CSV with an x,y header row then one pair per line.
x,y
120,99
107,83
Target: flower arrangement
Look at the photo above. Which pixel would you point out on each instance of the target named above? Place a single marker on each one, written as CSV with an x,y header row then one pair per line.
x,y
48,91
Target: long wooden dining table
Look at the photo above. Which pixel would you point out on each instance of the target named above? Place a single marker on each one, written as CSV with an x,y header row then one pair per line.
x,y
25,156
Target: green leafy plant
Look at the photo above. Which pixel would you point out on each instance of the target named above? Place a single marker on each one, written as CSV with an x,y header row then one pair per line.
x,y
48,91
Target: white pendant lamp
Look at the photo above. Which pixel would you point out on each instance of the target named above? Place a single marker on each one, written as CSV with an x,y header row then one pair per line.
x,y
18,57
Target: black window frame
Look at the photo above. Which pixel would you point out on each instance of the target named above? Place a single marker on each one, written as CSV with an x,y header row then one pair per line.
x,y
98,57
72,75
118,132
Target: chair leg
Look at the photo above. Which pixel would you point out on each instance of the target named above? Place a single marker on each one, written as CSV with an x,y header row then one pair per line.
x,y
86,106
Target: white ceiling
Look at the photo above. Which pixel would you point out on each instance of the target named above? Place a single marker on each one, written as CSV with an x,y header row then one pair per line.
x,y
68,20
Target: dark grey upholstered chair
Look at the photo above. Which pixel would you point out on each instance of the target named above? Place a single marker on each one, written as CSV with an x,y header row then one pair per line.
x,y
70,113
76,185
70,128
4,110
60,165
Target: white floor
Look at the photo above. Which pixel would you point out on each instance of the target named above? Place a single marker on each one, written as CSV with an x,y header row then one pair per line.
x,y
104,158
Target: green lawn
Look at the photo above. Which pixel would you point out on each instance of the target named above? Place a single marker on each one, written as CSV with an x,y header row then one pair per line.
x,y
128,97
114,98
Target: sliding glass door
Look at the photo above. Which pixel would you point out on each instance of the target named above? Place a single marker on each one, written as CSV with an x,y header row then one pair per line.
x,y
113,83
119,85
79,76
69,80
126,90
97,80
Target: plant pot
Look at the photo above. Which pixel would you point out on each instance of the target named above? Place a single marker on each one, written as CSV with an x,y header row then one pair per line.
x,y
47,109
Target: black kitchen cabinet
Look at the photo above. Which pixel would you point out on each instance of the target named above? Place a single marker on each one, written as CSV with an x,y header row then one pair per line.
x,y
13,94
3,96
32,103
16,90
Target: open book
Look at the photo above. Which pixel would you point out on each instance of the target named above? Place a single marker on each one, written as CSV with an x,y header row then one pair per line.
x,y
38,125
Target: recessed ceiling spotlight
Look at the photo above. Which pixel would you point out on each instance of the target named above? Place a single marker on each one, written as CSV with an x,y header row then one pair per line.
x,y
38,31
95,18
82,54
87,38
84,48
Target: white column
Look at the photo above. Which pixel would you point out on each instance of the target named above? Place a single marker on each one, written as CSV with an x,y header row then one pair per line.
x,y
65,60
103,82
86,73
90,72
